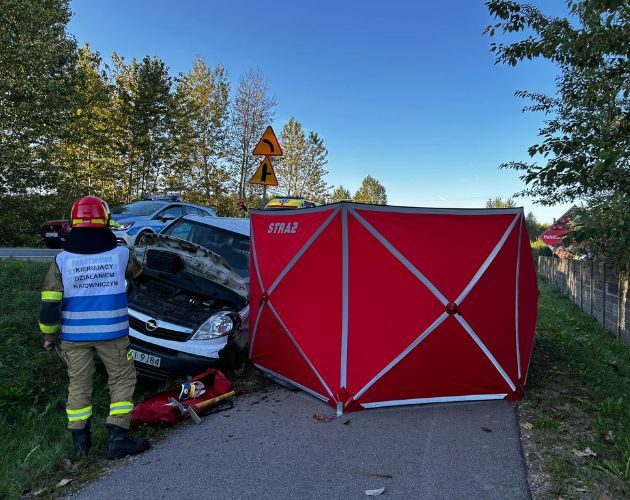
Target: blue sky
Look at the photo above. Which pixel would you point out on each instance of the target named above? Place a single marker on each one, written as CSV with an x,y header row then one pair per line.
x,y
406,91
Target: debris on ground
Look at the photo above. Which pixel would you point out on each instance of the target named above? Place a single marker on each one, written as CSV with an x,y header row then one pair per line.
x,y
64,482
374,493
324,418
586,453
380,475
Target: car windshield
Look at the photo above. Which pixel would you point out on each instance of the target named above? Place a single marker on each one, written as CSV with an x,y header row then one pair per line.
x,y
137,208
233,247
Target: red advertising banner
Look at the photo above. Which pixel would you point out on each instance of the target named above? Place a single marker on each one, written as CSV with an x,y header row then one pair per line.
x,y
554,236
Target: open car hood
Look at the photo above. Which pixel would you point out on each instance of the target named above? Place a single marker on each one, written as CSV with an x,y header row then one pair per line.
x,y
196,260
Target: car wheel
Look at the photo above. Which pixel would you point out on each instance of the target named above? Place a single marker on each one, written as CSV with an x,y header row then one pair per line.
x,y
141,240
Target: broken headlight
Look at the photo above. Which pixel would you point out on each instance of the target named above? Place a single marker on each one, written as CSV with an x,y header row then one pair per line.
x,y
217,325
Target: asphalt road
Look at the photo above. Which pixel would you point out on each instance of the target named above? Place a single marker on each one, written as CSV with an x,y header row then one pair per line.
x,y
269,446
28,253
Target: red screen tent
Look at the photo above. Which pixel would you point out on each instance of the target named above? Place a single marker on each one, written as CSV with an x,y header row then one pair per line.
x,y
366,306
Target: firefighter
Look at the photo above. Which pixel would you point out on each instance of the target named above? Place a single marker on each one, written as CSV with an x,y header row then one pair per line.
x,y
85,299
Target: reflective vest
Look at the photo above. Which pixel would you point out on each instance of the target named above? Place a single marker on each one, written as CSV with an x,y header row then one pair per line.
x,y
94,305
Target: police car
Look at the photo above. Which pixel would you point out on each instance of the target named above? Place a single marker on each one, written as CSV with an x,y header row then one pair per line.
x,y
134,221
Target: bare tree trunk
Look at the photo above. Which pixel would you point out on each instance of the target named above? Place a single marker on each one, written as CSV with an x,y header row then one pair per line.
x,y
252,111
130,180
206,170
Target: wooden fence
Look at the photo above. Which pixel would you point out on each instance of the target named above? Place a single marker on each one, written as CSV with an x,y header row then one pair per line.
x,y
600,291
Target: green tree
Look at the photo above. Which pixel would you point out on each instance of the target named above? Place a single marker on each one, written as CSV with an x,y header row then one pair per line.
x,y
201,141
252,111
534,228
498,202
584,153
301,169
290,166
340,193
143,105
37,76
371,191
314,186
86,151
602,225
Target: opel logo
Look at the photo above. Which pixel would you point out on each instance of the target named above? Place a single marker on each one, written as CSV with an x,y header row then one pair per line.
x,y
151,325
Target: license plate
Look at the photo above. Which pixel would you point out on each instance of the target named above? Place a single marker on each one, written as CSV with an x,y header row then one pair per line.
x,y
52,235
147,359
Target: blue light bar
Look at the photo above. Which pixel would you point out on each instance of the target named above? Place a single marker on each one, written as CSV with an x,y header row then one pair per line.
x,y
162,197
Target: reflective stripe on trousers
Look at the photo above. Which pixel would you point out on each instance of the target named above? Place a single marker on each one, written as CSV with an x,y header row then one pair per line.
x,y
120,408
79,414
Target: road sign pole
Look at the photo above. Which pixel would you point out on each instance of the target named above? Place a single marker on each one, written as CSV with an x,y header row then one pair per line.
x,y
264,198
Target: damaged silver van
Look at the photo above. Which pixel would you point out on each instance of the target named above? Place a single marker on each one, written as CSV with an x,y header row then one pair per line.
x,y
189,308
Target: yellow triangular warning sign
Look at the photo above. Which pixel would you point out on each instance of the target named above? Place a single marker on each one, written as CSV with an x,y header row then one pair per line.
x,y
265,174
268,144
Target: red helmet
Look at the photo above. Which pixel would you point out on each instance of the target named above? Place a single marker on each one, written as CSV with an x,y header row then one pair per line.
x,y
90,211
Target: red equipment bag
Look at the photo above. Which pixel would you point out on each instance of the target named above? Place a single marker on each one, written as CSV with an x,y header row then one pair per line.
x,y
154,410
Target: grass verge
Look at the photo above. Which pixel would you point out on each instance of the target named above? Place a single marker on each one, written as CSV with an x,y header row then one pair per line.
x,y
575,417
35,449
33,386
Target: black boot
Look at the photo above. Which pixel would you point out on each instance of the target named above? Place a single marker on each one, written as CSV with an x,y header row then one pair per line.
x,y
120,443
82,439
